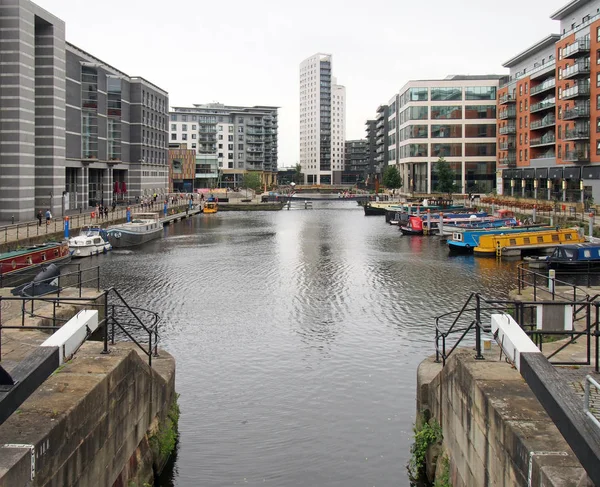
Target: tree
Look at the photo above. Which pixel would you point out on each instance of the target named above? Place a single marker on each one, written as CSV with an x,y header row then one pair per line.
x,y
251,180
298,176
446,177
391,177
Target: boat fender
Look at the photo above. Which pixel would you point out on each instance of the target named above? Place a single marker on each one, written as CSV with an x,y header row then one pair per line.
x,y
468,246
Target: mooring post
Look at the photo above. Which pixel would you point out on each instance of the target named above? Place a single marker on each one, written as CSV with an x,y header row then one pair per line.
x,y
551,281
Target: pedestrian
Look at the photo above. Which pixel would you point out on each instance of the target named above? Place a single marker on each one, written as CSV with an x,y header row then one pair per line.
x,y
114,206
39,217
48,216
97,211
106,212
101,212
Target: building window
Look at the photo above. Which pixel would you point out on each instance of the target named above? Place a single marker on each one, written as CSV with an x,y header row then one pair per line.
x,y
220,128
193,136
184,118
526,104
220,146
240,137
560,151
193,127
559,132
520,89
173,117
526,90
220,137
240,130
598,33
184,127
526,120
230,156
480,93
229,146
598,147
231,129
598,125
184,137
525,154
173,136
240,146
193,146
173,127
521,106
520,156
446,94
230,138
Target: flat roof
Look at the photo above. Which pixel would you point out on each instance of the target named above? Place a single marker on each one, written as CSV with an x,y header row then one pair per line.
x,y
530,51
568,8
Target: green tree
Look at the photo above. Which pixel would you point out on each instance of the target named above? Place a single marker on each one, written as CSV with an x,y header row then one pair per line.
x,y
298,176
391,177
446,178
251,180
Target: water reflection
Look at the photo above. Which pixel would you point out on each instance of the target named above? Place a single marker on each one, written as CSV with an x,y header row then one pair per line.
x,y
297,336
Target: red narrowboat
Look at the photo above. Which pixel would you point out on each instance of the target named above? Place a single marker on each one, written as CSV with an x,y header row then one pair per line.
x,y
21,265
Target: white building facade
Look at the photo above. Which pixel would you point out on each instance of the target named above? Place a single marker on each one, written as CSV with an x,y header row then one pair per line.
x,y
454,119
322,122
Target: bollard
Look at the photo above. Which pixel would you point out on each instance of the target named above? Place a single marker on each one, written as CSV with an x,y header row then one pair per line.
x,y
591,229
551,280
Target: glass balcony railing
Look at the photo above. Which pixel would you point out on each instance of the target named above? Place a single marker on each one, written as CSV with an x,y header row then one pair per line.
x,y
577,155
578,48
578,69
544,155
507,98
507,129
576,91
509,160
543,105
543,123
545,86
548,139
507,113
577,112
507,145
577,133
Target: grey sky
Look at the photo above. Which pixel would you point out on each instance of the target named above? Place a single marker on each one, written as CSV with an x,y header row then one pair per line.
x,y
248,52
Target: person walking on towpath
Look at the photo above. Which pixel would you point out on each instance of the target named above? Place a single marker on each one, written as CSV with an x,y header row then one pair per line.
x,y
39,218
48,216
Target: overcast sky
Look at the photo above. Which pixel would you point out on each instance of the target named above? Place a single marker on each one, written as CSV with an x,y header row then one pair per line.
x,y
247,52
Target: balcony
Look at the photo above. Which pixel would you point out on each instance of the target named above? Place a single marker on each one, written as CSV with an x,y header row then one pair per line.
x,y
255,150
507,98
577,133
507,129
507,113
255,123
545,155
507,146
547,121
509,160
577,155
545,86
577,70
578,48
380,133
380,124
548,104
577,112
579,90
548,139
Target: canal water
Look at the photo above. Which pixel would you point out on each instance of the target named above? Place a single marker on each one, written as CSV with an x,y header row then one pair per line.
x,y
297,336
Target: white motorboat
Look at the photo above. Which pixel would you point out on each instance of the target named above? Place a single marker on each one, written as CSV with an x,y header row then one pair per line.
x,y
91,241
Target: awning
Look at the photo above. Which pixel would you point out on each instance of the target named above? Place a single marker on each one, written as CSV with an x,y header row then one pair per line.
x,y
541,173
123,187
572,173
529,173
508,173
590,172
518,174
116,188
555,172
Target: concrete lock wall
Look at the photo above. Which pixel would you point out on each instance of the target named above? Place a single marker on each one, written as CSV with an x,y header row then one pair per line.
x,y
495,432
90,423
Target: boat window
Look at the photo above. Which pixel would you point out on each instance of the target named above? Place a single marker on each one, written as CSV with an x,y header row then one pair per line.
x,y
587,254
570,253
513,241
55,253
96,240
555,238
526,240
540,239
568,236
29,260
556,252
44,256
88,242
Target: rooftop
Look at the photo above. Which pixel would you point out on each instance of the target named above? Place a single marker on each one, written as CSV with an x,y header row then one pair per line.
x,y
568,9
530,51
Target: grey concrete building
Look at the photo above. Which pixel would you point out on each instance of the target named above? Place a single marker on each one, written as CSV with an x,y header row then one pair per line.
x,y
356,161
71,126
229,141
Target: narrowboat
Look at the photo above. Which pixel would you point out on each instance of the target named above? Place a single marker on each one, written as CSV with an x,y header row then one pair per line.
x,y
21,265
465,240
90,241
377,208
576,257
416,225
210,207
544,241
142,228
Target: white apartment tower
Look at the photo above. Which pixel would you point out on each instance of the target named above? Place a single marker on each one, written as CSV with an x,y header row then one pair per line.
x,y
322,122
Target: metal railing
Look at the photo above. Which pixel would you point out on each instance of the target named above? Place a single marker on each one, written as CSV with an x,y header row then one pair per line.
x,y
589,412
477,310
139,325
544,285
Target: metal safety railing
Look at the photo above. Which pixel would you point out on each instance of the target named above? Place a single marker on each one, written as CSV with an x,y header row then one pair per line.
x,y
119,318
589,411
471,322
545,285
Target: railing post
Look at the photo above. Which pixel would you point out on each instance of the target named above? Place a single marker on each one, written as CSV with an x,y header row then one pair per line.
x,y
105,350
79,282
519,277
437,344
112,324
551,281
478,356
150,349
